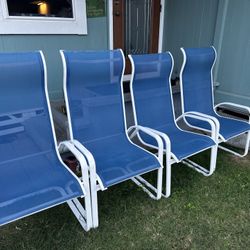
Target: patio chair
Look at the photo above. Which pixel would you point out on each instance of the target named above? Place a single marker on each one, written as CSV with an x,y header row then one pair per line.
x,y
153,108
95,108
32,175
196,80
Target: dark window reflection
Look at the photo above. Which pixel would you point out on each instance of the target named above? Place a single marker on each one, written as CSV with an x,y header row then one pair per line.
x,y
48,8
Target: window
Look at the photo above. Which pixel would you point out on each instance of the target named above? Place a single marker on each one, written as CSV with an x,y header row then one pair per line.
x,y
49,8
43,17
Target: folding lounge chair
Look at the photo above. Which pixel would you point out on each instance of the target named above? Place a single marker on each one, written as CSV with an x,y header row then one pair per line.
x,y
197,96
153,108
95,108
32,175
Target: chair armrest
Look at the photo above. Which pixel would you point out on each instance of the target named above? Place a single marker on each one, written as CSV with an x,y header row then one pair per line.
x,y
238,106
149,132
166,140
69,146
213,122
91,162
89,157
210,117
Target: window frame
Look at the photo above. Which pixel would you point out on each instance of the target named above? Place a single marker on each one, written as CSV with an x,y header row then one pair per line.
x,y
45,25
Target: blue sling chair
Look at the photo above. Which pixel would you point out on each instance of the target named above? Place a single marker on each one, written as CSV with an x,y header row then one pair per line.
x,y
153,108
32,175
97,127
197,97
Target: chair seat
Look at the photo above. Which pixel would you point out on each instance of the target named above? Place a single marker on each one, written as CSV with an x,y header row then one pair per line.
x,y
118,160
229,128
32,183
183,143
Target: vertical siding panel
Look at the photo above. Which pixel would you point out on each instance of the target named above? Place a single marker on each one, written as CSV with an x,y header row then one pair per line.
x,y
189,24
233,66
97,38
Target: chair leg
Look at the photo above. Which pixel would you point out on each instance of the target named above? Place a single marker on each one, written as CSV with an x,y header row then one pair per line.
x,y
83,215
213,158
94,201
168,178
148,188
159,183
236,153
199,168
87,199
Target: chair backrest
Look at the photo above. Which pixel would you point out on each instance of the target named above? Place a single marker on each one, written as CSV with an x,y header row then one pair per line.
x,y
150,89
196,79
92,88
25,123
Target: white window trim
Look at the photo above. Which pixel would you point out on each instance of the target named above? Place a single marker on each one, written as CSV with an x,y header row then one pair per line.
x,y
45,25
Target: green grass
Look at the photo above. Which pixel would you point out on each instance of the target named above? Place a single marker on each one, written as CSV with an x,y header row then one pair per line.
x,y
202,213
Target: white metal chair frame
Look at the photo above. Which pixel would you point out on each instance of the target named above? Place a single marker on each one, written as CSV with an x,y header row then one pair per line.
x,y
214,119
170,157
95,181
83,215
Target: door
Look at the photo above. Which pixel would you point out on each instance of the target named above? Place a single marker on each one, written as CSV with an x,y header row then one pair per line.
x,y
136,27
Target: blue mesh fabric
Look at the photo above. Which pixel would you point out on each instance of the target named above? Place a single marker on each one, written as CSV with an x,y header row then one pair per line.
x,y
196,78
152,96
230,128
197,91
31,176
93,85
150,86
95,103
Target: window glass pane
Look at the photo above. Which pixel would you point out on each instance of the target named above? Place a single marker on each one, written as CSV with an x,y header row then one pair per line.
x,y
47,8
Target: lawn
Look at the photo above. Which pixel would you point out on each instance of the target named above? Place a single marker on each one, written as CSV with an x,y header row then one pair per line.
x,y
202,213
